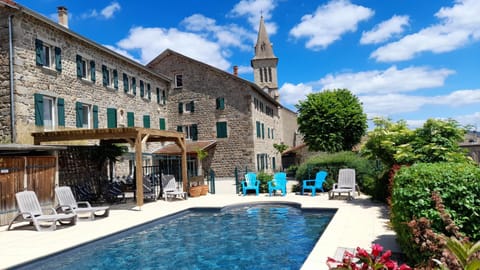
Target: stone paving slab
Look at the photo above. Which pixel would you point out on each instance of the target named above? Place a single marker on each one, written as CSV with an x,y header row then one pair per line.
x,y
358,222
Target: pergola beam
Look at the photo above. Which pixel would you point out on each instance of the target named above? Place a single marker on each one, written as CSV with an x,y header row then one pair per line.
x,y
136,137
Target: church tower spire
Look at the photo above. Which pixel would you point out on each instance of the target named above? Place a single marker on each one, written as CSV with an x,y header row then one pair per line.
x,y
264,63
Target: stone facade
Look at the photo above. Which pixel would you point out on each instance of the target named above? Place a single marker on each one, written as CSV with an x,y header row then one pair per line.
x,y
204,85
31,79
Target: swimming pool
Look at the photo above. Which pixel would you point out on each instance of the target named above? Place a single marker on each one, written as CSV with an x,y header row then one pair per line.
x,y
254,236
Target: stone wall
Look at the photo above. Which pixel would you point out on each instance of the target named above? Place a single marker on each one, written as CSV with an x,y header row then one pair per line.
x,y
5,123
203,84
31,79
289,128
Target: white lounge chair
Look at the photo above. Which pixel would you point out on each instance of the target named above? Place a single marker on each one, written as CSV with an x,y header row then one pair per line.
x,y
31,211
345,184
170,190
67,202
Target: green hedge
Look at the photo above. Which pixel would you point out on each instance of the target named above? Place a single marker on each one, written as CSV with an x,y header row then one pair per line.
x,y
458,184
331,163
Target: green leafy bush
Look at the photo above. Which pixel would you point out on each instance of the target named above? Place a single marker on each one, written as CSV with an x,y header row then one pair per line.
x,y
331,163
264,177
458,184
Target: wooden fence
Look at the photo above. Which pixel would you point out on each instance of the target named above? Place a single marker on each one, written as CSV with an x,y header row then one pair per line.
x,y
35,173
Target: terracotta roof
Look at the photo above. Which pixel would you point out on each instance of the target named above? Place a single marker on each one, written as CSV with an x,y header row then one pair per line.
x,y
294,148
192,147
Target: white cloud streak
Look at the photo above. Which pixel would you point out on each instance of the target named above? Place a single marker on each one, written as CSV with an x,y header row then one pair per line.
x,y
253,9
385,30
329,22
458,25
106,13
152,41
390,80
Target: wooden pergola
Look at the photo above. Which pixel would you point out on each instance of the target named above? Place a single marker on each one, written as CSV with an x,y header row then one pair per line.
x,y
133,136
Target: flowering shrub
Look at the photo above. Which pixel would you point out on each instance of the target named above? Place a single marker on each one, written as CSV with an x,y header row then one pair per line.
x,y
366,261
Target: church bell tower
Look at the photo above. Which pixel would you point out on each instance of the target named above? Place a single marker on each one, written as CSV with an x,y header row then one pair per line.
x,y
264,63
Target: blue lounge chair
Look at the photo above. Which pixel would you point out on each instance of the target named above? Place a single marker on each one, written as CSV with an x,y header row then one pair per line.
x,y
279,182
250,183
315,184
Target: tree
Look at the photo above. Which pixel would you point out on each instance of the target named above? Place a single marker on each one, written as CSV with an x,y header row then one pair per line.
x,y
280,147
332,120
435,141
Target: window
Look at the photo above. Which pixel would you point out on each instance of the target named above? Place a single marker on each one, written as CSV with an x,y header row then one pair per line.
x,y
220,103
190,107
191,131
262,162
263,131
111,118
126,84
259,131
146,121
110,77
130,119
162,125
178,80
47,55
149,92
133,86
142,89
269,74
222,130
84,115
161,96
85,68
164,97
49,111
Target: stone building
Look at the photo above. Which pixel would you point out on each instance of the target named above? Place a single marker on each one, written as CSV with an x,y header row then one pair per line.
x,y
52,78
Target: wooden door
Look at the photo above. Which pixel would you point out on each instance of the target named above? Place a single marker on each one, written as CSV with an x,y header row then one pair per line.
x,y
11,182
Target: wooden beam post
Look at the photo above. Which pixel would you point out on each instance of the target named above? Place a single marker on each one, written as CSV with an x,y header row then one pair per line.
x,y
181,143
139,169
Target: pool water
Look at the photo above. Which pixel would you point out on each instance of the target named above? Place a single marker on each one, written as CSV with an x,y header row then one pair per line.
x,y
259,236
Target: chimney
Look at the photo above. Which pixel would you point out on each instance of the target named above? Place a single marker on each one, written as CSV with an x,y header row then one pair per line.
x,y
62,16
235,70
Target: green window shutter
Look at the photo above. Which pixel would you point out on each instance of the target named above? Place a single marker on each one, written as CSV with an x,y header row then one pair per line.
x,y
149,92
274,166
39,56
115,79
146,121
179,128
220,103
194,132
79,66
95,116
158,95
263,131
92,71
164,97
192,106
258,130
272,134
180,107
142,89
38,99
134,86
105,75
162,124
58,59
79,114
221,129
125,83
61,112
268,133
130,119
111,118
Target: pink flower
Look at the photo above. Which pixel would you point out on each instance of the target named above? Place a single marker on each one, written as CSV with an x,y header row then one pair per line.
x,y
405,267
362,253
376,249
391,265
386,256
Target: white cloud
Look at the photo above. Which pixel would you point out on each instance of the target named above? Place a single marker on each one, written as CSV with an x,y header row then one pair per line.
x,y
253,9
329,23
290,94
245,70
458,98
106,13
469,119
227,35
122,52
110,10
458,25
152,41
385,30
391,80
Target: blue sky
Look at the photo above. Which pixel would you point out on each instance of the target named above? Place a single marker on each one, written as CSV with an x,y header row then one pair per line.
x,y
404,59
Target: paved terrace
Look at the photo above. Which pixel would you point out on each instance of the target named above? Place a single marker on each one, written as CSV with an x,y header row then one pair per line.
x,y
359,222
